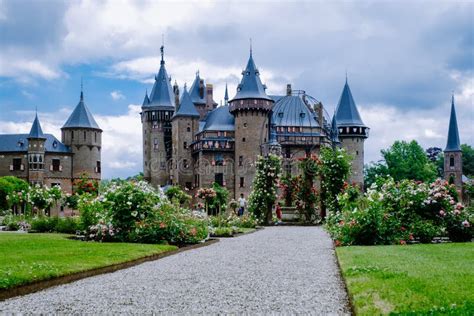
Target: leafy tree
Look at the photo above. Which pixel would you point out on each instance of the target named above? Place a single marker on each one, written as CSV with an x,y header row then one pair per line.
x,y
218,203
288,186
433,152
9,185
264,193
334,169
408,161
374,171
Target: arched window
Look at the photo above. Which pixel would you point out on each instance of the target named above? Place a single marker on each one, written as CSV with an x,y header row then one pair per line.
x,y
84,135
451,161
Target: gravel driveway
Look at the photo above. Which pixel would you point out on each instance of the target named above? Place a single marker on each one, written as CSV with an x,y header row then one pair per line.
x,y
278,269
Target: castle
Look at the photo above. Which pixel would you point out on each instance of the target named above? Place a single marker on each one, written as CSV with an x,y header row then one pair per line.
x,y
192,142
42,159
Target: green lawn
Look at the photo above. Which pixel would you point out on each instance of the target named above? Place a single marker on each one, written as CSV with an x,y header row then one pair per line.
x,y
29,257
410,280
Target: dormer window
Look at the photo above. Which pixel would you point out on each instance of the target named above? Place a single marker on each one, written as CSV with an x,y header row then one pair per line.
x,y
302,115
280,114
55,144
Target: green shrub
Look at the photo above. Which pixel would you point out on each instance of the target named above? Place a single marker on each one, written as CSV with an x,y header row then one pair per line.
x,y
68,225
44,224
176,195
223,232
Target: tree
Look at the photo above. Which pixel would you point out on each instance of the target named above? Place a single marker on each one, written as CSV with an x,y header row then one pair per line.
x,y
374,171
12,192
334,170
306,190
433,152
264,193
408,161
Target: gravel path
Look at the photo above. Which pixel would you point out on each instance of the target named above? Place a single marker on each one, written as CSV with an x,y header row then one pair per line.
x,y
278,269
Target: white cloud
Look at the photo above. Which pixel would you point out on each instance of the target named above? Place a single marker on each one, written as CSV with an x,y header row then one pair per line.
x,y
24,69
117,95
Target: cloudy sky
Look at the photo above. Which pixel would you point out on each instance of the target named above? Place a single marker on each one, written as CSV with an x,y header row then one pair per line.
x,y
403,61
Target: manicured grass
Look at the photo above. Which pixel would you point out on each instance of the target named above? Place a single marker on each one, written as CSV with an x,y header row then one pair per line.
x,y
410,280
30,257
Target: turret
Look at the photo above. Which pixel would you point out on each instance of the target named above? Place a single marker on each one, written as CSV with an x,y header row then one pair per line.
x,y
185,124
453,153
250,107
352,133
36,151
202,96
156,126
84,136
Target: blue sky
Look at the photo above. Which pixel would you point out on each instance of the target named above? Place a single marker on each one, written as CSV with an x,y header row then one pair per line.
x,y
403,60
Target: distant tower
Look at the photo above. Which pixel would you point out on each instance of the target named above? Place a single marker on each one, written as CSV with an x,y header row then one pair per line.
x,y
352,133
157,111
250,107
82,134
36,150
453,153
185,124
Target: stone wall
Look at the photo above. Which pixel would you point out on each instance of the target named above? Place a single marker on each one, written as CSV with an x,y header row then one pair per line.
x,y
183,130
86,147
454,170
355,148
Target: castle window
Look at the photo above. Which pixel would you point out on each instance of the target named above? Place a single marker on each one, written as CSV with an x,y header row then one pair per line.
x,y
95,137
16,164
451,161
243,140
155,143
242,183
185,164
357,152
72,134
188,129
219,159
241,160
84,135
185,145
280,114
154,125
245,124
302,115
98,168
55,164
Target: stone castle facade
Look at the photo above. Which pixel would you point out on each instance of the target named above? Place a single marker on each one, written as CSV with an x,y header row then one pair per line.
x,y
190,141
42,159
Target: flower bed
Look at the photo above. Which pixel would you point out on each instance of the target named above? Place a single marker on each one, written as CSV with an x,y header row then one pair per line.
x,y
391,213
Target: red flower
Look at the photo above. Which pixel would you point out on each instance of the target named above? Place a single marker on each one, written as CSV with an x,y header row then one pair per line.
x,y
162,225
403,229
403,242
337,243
411,237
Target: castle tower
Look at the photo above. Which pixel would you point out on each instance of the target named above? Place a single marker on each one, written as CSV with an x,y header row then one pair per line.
x,y
352,133
36,151
82,134
157,111
184,124
453,153
202,96
250,107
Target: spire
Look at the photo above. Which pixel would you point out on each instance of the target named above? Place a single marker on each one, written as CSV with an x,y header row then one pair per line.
x,y
453,143
226,95
346,110
198,90
36,130
81,117
146,100
186,107
162,93
251,86
250,47
82,91
162,50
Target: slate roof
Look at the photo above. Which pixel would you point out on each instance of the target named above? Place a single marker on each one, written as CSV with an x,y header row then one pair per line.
x,y
251,86
186,106
19,143
453,143
194,91
162,94
36,130
219,119
334,131
292,111
346,110
146,100
276,98
81,117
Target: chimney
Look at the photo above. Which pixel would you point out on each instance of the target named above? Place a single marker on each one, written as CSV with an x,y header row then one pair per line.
x,y
201,88
288,89
209,96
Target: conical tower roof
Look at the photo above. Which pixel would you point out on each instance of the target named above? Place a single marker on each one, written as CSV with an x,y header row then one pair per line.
x,y
251,86
194,91
186,106
81,117
146,99
346,110
162,94
36,130
453,143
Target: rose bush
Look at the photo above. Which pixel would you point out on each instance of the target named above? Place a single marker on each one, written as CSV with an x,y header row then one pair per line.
x,y
392,212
